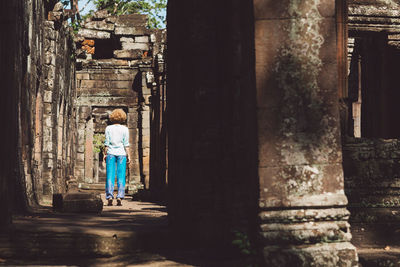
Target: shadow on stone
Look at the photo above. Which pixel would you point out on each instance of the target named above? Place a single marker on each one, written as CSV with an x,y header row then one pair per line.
x,y
80,202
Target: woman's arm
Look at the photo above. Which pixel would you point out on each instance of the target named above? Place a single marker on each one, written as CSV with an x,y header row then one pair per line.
x,y
128,158
106,143
105,153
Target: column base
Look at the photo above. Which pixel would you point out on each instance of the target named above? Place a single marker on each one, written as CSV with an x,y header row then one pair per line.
x,y
323,255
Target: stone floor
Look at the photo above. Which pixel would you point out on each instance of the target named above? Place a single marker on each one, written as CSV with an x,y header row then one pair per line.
x,y
135,234
376,235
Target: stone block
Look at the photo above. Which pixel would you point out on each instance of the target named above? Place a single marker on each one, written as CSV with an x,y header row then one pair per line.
x,y
135,46
131,20
127,39
48,121
88,42
58,7
131,53
101,84
95,34
153,38
119,30
48,24
112,76
111,19
80,156
89,50
106,63
146,132
85,112
99,25
72,185
47,108
47,147
48,96
82,76
141,39
49,163
54,16
79,202
101,14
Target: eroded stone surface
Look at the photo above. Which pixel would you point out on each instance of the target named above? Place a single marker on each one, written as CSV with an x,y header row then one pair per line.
x,y
78,202
300,149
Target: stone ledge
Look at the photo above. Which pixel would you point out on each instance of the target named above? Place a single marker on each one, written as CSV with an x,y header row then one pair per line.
x,y
325,254
77,202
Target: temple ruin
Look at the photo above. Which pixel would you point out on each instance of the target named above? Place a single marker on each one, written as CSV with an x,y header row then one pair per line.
x,y
276,120
122,66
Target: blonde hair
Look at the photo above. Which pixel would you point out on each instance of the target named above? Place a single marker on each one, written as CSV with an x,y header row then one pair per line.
x,y
117,116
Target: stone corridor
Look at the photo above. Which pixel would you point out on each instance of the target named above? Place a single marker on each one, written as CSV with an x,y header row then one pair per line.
x,y
268,130
135,234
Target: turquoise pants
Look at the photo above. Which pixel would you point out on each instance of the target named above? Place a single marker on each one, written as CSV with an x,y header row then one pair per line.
x,y
115,164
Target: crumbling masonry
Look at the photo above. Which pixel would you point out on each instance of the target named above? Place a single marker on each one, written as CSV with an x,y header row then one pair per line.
x,y
121,65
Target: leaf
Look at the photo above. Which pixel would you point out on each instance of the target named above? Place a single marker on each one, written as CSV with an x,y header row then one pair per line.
x,y
246,251
237,242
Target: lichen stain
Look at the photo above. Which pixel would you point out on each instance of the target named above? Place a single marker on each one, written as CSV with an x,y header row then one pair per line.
x,y
307,125
302,180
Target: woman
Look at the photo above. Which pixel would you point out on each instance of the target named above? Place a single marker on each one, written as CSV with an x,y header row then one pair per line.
x,y
116,154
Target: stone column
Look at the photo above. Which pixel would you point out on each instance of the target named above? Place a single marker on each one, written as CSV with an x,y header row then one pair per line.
x,y
89,151
302,203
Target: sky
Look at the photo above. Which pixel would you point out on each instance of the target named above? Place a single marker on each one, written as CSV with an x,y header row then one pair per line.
x,y
82,3
86,5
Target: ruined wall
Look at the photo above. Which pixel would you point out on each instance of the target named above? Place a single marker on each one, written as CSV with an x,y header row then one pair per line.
x,y
371,169
117,68
58,110
37,67
212,179
372,97
370,164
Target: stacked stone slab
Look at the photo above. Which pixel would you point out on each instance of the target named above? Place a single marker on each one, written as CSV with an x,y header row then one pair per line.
x,y
116,69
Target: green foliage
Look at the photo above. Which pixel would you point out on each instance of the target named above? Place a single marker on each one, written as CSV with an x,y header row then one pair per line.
x,y
242,242
155,9
98,142
76,25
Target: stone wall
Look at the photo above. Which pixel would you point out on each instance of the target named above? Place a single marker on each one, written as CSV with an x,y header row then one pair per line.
x,y
117,68
371,169
58,114
372,97
38,69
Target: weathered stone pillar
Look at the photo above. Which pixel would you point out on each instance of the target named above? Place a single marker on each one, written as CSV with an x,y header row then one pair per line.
x,y
302,203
